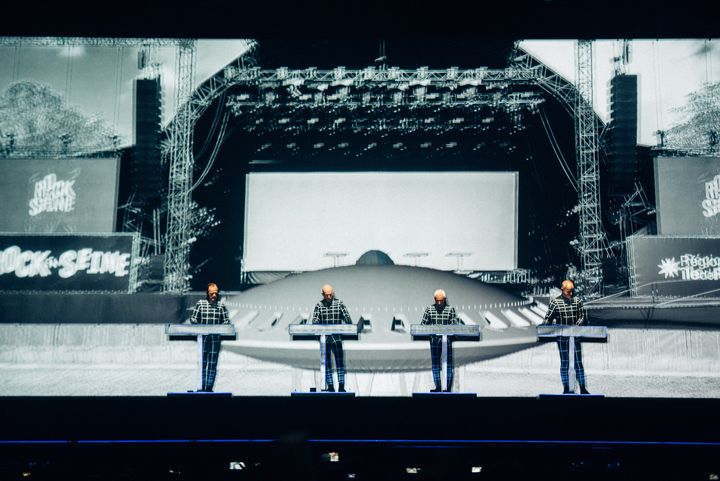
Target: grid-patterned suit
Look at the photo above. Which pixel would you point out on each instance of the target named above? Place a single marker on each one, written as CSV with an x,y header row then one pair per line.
x,y
440,315
567,312
333,312
206,312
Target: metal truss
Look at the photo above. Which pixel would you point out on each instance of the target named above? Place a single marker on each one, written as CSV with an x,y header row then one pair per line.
x,y
547,79
592,234
354,100
450,87
393,87
178,153
85,41
422,76
577,101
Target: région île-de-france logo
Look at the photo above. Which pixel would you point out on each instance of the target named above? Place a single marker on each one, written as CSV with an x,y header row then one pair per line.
x,y
52,195
691,267
669,267
711,204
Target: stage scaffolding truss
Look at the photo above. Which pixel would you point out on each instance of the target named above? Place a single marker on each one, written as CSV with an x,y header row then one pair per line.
x,y
372,88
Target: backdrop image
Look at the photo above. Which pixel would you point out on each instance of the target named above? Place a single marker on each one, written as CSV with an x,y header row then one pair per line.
x,y
687,191
442,220
59,195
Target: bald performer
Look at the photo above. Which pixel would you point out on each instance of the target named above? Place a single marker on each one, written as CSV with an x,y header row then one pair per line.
x,y
331,310
440,313
567,310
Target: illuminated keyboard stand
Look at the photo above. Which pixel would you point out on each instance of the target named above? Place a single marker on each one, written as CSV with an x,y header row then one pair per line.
x,y
551,332
303,332
182,332
459,332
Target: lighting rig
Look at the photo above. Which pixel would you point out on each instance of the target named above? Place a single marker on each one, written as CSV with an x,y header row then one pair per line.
x,y
376,108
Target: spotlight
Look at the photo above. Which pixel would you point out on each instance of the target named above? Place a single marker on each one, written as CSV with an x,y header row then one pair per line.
x,y
412,470
236,466
476,469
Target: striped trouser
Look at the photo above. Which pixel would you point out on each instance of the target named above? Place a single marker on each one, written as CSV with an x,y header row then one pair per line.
x,y
334,346
563,345
210,354
436,357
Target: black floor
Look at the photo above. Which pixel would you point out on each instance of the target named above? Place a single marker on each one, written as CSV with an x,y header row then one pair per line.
x,y
321,438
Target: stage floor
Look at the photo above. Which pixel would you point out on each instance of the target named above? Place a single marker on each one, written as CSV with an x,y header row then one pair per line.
x,y
377,438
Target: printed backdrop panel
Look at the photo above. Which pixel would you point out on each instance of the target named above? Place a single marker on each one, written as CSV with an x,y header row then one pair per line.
x,y
65,262
687,195
674,265
58,195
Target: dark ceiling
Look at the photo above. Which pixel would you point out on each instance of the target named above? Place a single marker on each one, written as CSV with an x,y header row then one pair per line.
x,y
462,19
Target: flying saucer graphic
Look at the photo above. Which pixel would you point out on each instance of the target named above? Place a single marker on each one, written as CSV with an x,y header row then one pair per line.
x,y
387,299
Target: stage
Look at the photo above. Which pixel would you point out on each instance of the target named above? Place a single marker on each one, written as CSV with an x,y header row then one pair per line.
x,y
571,437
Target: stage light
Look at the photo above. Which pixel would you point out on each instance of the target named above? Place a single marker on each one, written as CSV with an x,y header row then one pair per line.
x,y
319,145
236,466
281,72
412,470
476,469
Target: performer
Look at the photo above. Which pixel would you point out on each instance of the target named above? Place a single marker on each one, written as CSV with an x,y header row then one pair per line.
x,y
440,313
567,310
210,310
331,310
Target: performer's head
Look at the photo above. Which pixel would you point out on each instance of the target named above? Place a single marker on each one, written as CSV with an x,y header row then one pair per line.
x,y
327,292
213,292
567,287
440,297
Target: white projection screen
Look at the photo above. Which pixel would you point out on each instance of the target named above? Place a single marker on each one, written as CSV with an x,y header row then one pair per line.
x,y
442,220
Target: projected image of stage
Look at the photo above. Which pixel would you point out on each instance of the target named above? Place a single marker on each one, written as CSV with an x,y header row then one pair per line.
x,y
173,280
387,183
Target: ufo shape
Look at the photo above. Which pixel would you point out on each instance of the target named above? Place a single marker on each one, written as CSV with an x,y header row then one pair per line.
x,y
387,299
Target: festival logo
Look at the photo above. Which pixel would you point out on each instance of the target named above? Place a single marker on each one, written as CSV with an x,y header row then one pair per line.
x,y
52,195
711,204
29,263
691,267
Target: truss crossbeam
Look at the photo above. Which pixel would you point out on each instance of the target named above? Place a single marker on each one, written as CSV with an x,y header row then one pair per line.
x,y
87,41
